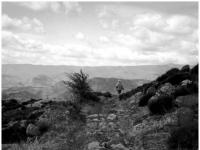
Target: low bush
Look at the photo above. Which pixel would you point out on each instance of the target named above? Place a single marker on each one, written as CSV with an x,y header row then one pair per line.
x,y
169,73
185,68
105,94
160,104
177,78
195,69
43,125
181,91
185,90
184,138
144,99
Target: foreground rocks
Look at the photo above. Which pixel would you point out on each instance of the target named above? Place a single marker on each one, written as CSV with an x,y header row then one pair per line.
x,y
18,120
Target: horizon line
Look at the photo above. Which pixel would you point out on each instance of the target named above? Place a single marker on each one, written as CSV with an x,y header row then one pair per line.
x,y
103,65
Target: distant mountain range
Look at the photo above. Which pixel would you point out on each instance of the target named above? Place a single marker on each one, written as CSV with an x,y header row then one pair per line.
x,y
26,71
37,81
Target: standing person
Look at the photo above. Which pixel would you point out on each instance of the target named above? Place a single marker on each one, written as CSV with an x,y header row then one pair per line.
x,y
119,87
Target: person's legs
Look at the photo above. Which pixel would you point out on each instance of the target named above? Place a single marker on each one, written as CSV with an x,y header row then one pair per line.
x,y
119,91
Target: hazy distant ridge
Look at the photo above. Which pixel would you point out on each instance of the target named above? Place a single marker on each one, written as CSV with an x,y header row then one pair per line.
x,y
148,72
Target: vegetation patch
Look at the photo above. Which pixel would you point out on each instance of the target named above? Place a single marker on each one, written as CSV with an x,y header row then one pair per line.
x,y
160,104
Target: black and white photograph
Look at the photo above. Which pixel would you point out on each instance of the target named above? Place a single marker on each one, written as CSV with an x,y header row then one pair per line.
x,y
99,75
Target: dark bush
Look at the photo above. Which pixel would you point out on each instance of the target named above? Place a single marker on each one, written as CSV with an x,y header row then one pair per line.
x,y
177,78
79,86
142,88
184,138
185,68
181,91
43,125
169,73
10,104
185,90
105,94
194,73
160,104
90,96
144,99
13,133
195,69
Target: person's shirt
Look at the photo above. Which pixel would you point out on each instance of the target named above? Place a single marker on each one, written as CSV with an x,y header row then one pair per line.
x,y
119,86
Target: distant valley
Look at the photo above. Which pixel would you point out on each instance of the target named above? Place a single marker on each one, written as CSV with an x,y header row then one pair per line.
x,y
36,81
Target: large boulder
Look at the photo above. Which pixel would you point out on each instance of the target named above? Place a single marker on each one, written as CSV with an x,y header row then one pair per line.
x,y
151,90
166,89
94,146
118,147
112,117
186,82
32,130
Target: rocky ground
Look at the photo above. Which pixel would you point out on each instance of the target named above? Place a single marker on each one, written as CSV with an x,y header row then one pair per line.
x,y
111,124
118,125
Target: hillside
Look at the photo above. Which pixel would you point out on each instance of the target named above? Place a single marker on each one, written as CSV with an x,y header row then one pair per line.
x,y
159,115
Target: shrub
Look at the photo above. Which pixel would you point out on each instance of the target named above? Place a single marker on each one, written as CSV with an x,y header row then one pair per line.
x,y
194,73
177,78
106,94
144,99
160,104
195,69
185,68
170,72
184,137
181,91
43,125
79,86
185,90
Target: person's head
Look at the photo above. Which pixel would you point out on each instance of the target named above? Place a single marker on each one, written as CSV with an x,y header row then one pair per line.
x,y
119,81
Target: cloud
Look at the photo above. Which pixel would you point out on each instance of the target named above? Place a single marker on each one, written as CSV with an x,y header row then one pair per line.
x,y
173,24
108,18
80,36
53,6
180,24
104,39
24,50
131,51
126,38
24,24
69,6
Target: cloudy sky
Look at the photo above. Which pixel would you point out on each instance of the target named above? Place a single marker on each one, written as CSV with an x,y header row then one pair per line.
x,y
99,33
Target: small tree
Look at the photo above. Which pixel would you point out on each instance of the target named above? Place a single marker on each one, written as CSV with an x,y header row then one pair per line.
x,y
79,86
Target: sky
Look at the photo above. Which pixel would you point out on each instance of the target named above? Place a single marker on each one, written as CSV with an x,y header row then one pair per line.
x,y
99,33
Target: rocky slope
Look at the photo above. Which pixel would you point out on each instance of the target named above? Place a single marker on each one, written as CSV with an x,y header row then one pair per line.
x,y
115,123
